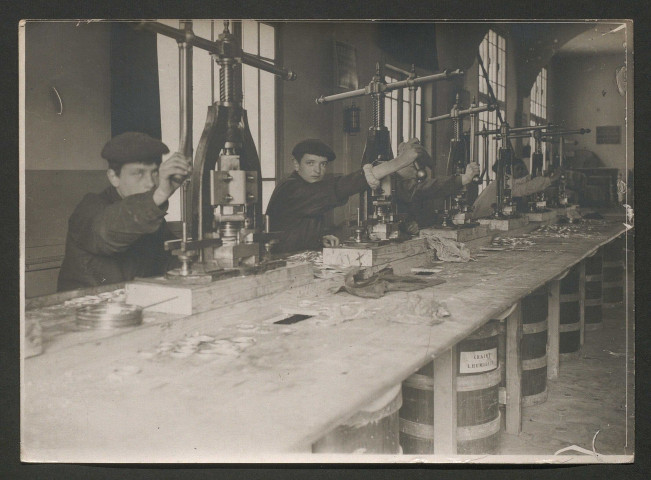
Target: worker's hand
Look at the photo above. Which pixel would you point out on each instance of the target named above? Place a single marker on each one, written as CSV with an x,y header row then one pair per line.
x,y
330,241
410,151
556,175
172,173
472,170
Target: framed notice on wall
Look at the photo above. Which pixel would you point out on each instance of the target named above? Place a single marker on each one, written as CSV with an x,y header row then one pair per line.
x,y
345,66
609,134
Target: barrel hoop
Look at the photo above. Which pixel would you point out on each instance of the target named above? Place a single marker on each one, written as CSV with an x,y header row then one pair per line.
x,y
534,363
562,275
476,432
419,381
386,404
590,327
569,297
593,253
529,328
593,278
613,264
569,327
415,429
506,312
471,383
487,331
592,302
530,400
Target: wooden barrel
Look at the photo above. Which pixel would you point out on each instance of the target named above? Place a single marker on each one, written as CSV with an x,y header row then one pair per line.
x,y
570,341
613,272
533,347
592,303
478,415
374,429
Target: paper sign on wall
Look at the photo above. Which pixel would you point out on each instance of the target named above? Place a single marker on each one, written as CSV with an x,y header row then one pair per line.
x,y
479,361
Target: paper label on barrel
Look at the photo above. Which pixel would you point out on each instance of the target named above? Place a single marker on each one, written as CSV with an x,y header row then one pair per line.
x,y
479,361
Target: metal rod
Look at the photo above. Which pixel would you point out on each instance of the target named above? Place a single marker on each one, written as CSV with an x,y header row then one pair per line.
x,y
580,131
463,113
391,86
412,105
531,128
341,96
445,75
185,125
213,47
396,69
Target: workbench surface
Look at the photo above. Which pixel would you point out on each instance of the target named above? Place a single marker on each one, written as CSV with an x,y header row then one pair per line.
x,y
97,396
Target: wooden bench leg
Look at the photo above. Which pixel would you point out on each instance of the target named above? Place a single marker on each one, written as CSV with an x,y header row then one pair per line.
x,y
445,403
514,371
553,328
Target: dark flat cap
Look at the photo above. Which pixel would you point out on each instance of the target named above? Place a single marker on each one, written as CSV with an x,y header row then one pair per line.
x,y
134,147
315,147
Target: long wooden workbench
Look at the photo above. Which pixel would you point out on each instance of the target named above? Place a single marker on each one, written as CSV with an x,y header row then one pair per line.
x,y
96,396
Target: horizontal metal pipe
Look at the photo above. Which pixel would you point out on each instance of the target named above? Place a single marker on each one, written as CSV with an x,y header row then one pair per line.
x,y
341,96
531,128
462,113
409,82
213,47
579,131
396,69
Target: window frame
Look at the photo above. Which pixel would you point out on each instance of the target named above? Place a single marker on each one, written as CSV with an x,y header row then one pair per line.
x,y
399,99
490,119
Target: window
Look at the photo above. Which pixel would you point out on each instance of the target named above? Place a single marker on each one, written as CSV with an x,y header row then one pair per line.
x,y
396,114
259,91
258,88
538,109
492,51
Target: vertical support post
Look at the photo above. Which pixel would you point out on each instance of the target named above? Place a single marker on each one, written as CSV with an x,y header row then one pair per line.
x,y
581,303
553,328
445,403
514,371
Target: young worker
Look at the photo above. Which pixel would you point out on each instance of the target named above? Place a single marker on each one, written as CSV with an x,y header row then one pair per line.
x,y
118,234
299,203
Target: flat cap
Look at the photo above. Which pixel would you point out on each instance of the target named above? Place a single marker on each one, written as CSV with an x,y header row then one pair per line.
x,y
134,147
313,146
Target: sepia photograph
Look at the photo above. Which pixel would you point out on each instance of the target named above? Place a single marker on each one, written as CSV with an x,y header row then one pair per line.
x,y
252,241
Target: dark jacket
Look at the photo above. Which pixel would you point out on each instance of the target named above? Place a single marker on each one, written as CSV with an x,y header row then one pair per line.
x,y
414,198
113,239
297,208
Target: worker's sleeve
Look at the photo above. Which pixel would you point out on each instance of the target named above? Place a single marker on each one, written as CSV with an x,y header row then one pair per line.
x,y
529,186
300,198
435,187
105,229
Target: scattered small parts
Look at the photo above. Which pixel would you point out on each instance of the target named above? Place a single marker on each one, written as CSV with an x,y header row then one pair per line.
x,y
114,296
520,242
204,346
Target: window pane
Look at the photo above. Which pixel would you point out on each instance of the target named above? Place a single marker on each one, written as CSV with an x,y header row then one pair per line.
x,y
249,36
267,149
267,41
394,125
267,189
250,101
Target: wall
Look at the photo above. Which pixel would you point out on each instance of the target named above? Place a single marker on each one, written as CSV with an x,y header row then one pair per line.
x,y
62,151
585,95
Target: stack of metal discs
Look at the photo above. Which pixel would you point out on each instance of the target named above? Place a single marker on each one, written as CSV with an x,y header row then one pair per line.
x,y
106,316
